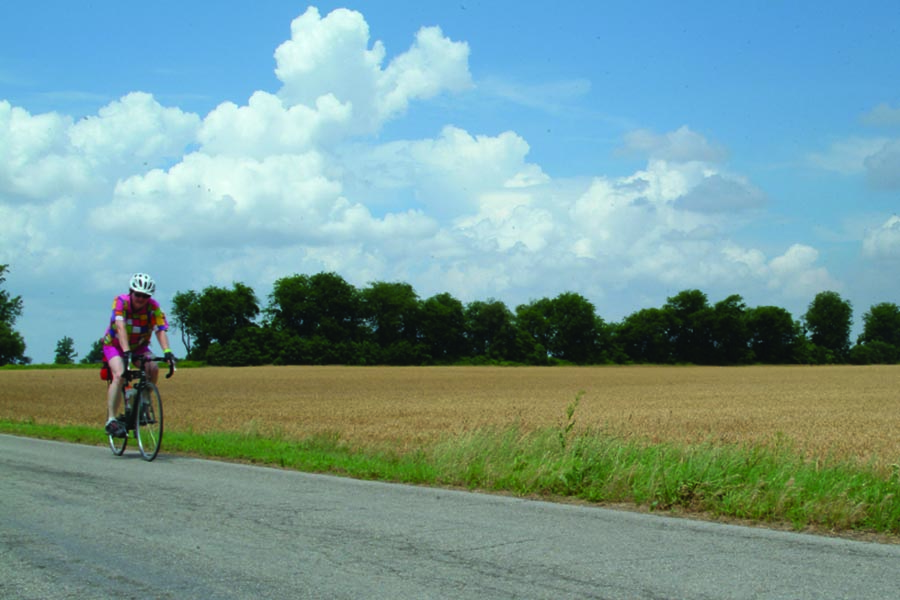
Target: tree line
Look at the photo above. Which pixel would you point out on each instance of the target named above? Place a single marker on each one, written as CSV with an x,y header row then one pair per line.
x,y
12,344
322,319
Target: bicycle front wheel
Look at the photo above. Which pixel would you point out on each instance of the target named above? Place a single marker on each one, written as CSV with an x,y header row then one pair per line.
x,y
117,444
149,422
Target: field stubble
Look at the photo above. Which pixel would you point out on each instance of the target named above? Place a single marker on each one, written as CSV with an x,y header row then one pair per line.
x,y
841,412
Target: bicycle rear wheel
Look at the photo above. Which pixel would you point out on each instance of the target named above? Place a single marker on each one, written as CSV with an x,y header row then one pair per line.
x,y
149,422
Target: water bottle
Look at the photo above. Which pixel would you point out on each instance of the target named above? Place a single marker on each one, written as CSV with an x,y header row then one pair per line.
x,y
129,396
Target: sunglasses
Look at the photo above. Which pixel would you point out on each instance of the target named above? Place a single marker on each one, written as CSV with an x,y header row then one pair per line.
x,y
141,295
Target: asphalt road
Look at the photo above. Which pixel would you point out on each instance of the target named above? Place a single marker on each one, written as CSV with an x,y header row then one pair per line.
x,y
77,522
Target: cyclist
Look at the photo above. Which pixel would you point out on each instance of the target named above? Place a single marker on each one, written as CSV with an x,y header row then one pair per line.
x,y
134,318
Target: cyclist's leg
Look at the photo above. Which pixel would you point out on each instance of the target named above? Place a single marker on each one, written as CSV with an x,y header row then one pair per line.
x,y
117,370
150,367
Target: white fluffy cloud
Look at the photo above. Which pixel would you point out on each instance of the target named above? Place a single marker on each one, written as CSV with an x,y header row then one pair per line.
x,y
796,272
648,226
295,181
277,201
722,194
265,126
36,162
330,57
448,174
46,157
884,242
133,133
681,145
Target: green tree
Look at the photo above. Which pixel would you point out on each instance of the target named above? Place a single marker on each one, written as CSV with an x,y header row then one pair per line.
x,y
567,327
880,339
874,353
773,335
644,336
729,332
391,311
443,328
392,314
251,345
181,318
882,324
65,351
216,315
828,320
323,305
96,353
578,332
12,345
690,327
491,331
534,320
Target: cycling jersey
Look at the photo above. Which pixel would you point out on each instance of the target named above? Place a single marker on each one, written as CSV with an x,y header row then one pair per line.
x,y
139,326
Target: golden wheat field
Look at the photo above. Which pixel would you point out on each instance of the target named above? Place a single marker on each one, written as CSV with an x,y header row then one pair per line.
x,y
848,411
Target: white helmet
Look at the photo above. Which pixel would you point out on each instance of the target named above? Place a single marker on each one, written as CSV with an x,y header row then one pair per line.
x,y
141,282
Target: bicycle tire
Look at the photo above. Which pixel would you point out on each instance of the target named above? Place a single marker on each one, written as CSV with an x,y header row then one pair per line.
x,y
117,444
149,422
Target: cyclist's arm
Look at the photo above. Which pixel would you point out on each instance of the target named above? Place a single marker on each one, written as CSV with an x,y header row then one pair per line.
x,y
163,338
122,335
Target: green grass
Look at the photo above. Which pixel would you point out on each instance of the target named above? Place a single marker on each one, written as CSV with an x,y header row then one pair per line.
x,y
760,483
766,484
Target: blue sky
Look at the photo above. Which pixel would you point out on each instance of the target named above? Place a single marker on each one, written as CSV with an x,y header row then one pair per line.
x,y
508,150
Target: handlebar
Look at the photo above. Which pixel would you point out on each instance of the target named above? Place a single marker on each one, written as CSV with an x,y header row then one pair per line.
x,y
141,359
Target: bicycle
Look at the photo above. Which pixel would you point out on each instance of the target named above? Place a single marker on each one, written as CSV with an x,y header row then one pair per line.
x,y
143,416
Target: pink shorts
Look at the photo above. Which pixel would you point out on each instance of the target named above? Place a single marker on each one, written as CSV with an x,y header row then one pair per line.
x,y
110,352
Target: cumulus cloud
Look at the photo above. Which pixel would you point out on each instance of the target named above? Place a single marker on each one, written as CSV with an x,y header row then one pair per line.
x,y
133,132
720,194
639,228
35,162
796,273
272,173
279,200
681,145
293,180
218,198
266,126
331,57
447,174
45,157
884,242
508,219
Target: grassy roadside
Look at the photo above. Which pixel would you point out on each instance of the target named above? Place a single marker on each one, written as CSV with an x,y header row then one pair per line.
x,y
769,484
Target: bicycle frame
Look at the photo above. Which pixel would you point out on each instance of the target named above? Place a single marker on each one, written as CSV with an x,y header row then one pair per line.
x,y
143,417
141,373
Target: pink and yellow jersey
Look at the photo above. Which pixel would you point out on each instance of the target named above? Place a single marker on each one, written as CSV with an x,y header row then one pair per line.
x,y
139,326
